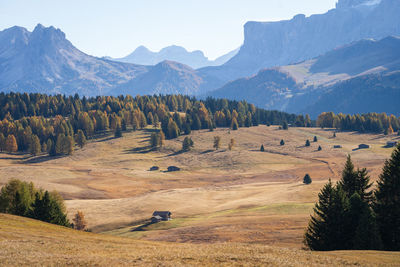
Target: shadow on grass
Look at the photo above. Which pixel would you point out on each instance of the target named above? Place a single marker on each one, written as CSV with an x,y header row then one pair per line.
x,y
40,159
141,227
207,151
176,153
140,150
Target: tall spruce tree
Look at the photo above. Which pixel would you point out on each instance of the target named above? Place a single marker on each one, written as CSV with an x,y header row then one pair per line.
x,y
355,181
325,230
362,225
387,202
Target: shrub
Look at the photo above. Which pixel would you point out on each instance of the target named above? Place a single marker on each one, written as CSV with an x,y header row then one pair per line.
x,y
282,142
319,148
307,179
308,143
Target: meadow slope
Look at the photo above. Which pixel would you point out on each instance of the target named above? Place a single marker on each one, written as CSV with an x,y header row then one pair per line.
x,y
26,242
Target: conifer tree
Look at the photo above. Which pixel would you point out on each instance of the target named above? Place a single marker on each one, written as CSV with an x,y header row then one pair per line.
x,y
2,142
231,144
34,146
362,225
11,144
81,138
319,148
282,143
353,181
387,202
325,229
118,132
173,130
262,148
285,125
234,124
187,144
217,142
307,143
315,139
307,179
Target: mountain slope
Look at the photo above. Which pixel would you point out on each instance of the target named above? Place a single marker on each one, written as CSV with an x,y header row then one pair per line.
x,y
167,77
195,59
269,44
309,85
26,242
45,61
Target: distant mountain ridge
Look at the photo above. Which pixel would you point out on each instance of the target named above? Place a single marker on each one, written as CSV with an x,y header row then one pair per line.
x,y
45,61
270,44
195,59
303,87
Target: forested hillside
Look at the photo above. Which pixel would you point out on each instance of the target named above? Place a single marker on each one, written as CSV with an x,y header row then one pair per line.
x,y
38,122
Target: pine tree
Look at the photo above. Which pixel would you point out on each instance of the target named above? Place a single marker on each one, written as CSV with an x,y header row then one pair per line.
x,y
118,132
282,143
231,144
34,146
173,130
187,144
262,148
234,124
285,125
2,142
307,179
11,144
325,229
319,148
362,225
315,139
217,142
81,138
153,140
387,202
307,143
355,181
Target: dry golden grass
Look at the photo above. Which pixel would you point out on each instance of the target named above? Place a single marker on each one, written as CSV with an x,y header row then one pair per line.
x,y
26,242
218,196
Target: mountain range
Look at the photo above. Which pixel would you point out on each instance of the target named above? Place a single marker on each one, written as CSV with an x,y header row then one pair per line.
x,y
195,59
335,50
353,78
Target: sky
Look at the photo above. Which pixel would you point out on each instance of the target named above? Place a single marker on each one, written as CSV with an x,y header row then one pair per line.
x,y
116,27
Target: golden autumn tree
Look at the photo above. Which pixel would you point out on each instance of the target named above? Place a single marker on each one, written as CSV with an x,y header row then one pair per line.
x,y
11,144
79,221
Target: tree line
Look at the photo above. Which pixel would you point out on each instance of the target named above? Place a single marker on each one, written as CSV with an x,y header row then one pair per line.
x,y
348,215
53,124
371,122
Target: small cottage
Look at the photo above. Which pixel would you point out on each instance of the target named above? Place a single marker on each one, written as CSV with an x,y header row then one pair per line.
x,y
363,146
159,216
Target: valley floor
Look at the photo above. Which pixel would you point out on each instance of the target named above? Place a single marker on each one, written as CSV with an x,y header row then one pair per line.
x,y
239,196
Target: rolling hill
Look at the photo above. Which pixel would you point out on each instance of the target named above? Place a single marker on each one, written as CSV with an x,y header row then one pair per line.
x,y
26,242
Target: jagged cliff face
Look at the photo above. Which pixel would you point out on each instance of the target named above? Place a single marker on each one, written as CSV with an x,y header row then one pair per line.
x,y
270,44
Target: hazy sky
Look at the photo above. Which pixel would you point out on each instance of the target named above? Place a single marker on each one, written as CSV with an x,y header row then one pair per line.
x,y
116,27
